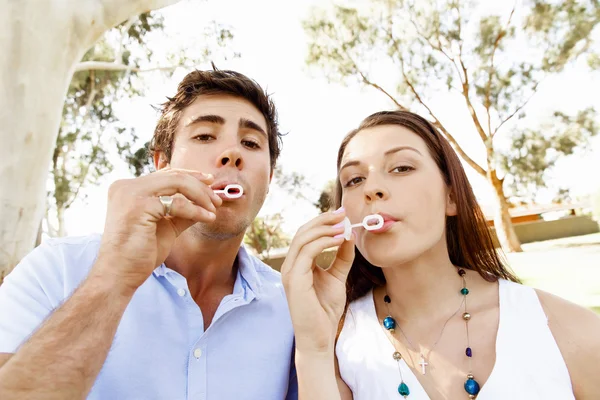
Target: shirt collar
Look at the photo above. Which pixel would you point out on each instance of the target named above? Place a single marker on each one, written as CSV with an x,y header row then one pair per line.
x,y
247,276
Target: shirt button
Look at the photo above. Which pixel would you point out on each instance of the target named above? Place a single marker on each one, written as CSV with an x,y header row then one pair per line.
x,y
198,353
181,292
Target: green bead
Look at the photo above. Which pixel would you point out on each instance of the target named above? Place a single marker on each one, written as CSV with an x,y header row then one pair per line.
x,y
464,291
403,390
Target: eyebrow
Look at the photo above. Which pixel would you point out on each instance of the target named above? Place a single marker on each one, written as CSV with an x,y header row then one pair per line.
x,y
246,123
387,153
213,119
217,119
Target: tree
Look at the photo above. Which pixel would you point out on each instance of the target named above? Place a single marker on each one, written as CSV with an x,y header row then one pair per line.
x,y
325,201
534,152
90,130
265,234
41,43
495,63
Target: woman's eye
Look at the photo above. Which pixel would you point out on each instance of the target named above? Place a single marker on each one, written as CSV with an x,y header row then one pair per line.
x,y
353,181
251,144
403,168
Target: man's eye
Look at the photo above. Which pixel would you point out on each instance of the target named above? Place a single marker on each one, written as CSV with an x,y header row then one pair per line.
x,y
251,144
204,137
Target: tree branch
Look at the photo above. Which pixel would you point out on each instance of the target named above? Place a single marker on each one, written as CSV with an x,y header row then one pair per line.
x,y
376,86
460,69
436,122
519,108
437,47
366,80
114,66
488,102
465,93
94,17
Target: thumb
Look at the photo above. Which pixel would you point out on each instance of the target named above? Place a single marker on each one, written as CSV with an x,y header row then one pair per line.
x,y
343,260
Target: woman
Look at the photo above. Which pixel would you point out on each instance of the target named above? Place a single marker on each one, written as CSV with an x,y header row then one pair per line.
x,y
424,307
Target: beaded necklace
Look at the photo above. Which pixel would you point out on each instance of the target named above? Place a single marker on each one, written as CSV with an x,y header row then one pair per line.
x,y
471,386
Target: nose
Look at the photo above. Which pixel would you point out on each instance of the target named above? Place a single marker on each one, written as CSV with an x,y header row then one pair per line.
x,y
375,190
231,157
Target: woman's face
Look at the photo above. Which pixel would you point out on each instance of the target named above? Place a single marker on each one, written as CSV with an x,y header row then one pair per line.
x,y
388,170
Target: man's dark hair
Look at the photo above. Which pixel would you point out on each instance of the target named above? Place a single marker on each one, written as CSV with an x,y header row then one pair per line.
x,y
214,82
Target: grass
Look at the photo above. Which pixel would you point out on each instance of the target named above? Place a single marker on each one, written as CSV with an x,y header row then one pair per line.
x,y
568,267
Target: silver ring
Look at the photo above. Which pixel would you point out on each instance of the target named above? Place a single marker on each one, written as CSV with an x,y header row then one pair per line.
x,y
167,202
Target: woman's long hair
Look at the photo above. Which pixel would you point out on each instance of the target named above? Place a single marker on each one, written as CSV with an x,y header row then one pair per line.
x,y
468,237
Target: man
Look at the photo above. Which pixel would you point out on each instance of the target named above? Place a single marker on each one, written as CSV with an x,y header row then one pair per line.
x,y
165,304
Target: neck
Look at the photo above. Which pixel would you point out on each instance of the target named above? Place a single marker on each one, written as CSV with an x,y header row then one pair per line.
x,y
207,264
427,286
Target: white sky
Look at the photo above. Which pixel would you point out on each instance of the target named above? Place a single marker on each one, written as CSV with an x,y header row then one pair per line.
x,y
317,115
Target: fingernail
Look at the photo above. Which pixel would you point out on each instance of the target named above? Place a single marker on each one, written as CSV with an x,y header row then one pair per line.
x,y
209,176
341,224
341,235
339,210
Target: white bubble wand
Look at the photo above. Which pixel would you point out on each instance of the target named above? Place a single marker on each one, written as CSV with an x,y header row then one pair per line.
x,y
233,191
370,222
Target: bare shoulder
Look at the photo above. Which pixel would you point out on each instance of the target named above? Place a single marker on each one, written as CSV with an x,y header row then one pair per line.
x,y
577,334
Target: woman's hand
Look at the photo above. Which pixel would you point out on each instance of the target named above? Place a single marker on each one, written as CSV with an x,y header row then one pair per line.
x,y
317,297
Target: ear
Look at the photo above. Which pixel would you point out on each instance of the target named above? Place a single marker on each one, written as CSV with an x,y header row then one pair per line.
x,y
160,160
451,209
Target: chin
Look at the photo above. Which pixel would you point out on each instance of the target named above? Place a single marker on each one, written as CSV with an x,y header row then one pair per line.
x,y
386,252
221,229
389,259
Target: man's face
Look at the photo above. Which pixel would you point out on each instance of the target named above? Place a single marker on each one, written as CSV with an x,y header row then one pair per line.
x,y
225,136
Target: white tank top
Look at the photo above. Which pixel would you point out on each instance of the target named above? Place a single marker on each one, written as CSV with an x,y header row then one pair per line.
x,y
528,365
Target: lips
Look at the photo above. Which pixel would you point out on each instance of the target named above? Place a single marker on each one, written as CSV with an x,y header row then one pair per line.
x,y
388,222
387,217
221,185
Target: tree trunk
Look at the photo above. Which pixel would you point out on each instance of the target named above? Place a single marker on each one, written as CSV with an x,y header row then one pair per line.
x,y
502,220
38,238
41,42
60,216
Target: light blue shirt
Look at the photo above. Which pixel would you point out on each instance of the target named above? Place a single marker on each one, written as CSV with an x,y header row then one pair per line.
x,y
161,349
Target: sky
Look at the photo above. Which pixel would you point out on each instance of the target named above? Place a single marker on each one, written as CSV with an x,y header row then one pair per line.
x,y
316,114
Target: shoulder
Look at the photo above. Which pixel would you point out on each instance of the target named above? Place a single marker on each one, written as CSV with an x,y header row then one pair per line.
x,y
582,324
58,259
39,284
577,334
53,270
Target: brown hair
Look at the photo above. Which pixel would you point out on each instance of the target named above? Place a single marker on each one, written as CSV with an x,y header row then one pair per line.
x,y
213,82
468,237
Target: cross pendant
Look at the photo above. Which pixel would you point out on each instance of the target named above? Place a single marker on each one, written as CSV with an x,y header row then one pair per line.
x,y
423,364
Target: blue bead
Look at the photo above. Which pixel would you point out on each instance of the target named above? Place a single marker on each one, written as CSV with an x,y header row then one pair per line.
x,y
471,386
403,389
469,352
389,323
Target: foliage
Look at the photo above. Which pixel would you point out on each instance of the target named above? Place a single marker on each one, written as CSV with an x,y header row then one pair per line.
x,y
411,51
265,234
